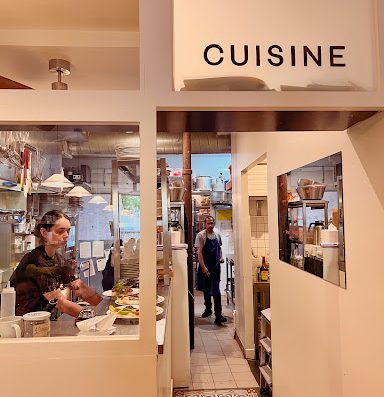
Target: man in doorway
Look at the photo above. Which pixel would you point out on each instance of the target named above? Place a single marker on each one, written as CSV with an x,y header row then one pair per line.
x,y
208,244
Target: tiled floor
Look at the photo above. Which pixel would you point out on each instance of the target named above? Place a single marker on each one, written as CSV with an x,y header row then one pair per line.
x,y
217,362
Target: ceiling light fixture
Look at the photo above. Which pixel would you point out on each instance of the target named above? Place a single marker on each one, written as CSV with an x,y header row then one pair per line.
x,y
108,208
97,200
57,180
78,191
61,67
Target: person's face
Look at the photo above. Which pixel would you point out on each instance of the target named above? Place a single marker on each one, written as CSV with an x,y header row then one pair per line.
x,y
58,235
209,225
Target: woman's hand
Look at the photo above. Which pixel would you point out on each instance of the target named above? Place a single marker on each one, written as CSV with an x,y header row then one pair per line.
x,y
81,290
67,306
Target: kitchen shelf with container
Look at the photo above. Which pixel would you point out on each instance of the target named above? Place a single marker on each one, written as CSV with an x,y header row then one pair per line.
x,y
306,252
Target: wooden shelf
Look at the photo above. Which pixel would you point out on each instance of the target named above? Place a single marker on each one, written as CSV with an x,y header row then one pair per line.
x,y
266,372
267,344
267,314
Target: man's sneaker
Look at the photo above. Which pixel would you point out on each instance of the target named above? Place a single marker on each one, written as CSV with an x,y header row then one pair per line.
x,y
206,313
219,320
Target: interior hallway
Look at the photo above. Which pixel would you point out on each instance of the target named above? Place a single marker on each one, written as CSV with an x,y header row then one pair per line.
x,y
217,364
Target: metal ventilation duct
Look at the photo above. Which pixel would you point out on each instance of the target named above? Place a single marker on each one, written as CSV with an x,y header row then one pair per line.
x,y
167,143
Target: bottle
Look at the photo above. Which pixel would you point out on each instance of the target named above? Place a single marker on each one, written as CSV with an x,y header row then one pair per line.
x,y
264,271
8,301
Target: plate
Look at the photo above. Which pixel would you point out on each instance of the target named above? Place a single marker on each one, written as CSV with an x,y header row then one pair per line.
x,y
159,311
125,316
111,293
127,300
133,300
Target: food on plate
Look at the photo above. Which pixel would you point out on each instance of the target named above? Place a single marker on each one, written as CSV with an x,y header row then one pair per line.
x,y
121,288
128,300
134,299
126,311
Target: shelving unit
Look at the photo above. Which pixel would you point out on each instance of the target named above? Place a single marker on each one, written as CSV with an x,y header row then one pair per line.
x,y
179,208
265,350
301,228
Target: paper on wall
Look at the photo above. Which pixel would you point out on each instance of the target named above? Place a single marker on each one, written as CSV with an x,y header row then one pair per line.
x,y
91,269
87,268
101,264
106,253
98,249
85,250
84,267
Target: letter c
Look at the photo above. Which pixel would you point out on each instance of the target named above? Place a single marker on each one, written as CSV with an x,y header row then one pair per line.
x,y
221,51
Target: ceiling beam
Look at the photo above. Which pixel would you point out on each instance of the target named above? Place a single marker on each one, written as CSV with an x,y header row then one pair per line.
x,y
8,84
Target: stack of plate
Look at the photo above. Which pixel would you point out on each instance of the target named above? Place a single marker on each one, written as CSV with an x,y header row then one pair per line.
x,y
129,268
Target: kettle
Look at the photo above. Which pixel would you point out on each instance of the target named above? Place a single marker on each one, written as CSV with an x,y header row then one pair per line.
x,y
318,227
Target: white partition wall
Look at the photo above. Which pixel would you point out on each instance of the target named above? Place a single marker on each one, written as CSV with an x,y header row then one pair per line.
x,y
316,326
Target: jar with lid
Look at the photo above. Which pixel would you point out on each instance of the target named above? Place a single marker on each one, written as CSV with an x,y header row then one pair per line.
x,y
37,324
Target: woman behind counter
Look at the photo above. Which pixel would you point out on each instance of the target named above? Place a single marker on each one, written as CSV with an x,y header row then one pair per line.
x,y
43,269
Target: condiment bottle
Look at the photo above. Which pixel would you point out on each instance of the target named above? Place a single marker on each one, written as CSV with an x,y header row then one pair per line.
x,y
264,271
8,301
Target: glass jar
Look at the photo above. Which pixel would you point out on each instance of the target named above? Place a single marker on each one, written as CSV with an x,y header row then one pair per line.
x,y
37,324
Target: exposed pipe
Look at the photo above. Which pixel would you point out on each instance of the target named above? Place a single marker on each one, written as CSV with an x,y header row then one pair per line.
x,y
187,178
129,144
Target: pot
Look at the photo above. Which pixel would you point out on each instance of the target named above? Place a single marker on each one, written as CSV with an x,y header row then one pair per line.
x,y
311,192
220,197
203,183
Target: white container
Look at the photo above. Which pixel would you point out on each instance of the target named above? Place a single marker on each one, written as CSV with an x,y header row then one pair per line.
x,y
37,324
11,327
8,301
175,237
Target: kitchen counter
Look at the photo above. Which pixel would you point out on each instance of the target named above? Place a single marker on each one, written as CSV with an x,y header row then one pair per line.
x,y
65,325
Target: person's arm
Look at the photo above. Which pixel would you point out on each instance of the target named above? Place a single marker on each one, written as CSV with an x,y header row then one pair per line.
x,y
87,294
68,307
204,268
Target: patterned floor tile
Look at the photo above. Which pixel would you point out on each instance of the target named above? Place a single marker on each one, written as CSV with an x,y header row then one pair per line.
x,y
216,393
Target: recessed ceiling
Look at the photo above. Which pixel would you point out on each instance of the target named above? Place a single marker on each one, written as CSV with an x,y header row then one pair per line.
x,y
112,15
92,68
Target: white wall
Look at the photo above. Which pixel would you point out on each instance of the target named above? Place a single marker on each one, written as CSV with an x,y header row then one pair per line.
x,y
316,326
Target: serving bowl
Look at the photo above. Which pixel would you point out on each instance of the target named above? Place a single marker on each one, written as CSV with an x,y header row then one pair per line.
x,y
311,192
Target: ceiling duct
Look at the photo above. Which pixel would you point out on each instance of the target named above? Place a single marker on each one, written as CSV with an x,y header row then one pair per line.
x,y
128,145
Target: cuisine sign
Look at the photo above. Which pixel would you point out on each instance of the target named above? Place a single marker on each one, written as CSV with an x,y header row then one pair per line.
x,y
275,55
293,44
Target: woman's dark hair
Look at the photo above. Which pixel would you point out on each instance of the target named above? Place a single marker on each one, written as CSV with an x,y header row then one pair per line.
x,y
47,221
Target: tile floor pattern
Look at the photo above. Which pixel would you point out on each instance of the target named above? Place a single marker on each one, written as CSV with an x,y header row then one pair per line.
x,y
218,393
217,364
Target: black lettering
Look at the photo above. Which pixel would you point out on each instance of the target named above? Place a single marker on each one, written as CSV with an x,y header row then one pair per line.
x,y
242,63
257,55
221,51
272,54
293,55
307,52
332,55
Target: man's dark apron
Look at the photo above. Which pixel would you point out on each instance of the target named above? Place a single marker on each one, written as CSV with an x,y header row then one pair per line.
x,y
211,254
